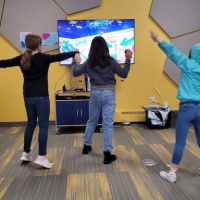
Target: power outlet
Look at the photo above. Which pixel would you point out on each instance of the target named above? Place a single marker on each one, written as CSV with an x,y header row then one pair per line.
x,y
152,99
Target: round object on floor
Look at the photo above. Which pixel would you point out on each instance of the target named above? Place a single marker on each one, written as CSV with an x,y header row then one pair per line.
x,y
148,162
126,123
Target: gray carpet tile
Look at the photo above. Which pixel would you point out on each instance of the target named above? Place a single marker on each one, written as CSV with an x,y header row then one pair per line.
x,y
75,176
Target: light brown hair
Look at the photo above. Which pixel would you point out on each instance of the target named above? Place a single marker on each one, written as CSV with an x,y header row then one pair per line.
x,y
32,42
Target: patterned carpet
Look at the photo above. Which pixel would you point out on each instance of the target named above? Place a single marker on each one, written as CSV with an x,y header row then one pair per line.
x,y
84,177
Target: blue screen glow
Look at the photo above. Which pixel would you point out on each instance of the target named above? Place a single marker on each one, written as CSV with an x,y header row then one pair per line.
x,y
119,35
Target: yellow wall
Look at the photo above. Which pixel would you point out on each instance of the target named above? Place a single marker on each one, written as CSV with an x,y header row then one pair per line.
x,y
131,94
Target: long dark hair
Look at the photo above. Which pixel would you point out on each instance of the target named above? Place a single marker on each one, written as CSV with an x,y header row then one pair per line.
x,y
99,53
32,42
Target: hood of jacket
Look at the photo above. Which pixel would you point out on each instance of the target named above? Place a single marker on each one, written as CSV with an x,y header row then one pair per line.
x,y
195,52
101,70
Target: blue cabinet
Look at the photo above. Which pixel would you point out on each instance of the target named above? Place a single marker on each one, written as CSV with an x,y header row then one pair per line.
x,y
83,112
72,112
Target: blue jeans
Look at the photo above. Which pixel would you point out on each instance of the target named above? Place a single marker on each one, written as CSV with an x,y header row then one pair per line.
x,y
189,111
38,107
101,101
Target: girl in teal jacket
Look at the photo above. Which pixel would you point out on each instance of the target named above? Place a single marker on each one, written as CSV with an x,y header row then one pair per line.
x,y
189,96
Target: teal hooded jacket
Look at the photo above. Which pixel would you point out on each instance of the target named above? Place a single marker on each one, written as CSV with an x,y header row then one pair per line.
x,y
189,85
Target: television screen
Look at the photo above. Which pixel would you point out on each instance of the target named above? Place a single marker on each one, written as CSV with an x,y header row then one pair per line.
x,y
118,33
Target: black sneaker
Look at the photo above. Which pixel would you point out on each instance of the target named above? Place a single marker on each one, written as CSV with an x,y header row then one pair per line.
x,y
108,157
86,149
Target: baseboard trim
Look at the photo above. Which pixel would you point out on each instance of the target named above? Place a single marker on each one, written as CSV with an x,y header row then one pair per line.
x,y
17,124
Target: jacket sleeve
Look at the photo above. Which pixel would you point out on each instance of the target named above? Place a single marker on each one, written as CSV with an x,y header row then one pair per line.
x,y
10,62
174,54
79,70
121,72
61,56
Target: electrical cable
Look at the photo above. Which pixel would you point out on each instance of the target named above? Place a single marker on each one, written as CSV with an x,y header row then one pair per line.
x,y
59,79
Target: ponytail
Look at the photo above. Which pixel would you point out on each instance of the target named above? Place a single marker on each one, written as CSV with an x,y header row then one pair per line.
x,y
32,42
26,60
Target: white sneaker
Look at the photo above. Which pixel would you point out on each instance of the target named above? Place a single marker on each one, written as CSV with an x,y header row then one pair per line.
x,y
169,176
26,157
42,161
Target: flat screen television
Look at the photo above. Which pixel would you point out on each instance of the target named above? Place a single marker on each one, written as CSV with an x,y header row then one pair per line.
x,y
118,33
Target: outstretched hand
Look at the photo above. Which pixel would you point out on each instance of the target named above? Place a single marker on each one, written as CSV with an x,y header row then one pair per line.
x,y
77,59
128,54
154,37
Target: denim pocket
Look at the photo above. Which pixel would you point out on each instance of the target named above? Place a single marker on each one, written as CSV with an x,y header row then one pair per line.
x,y
187,110
109,97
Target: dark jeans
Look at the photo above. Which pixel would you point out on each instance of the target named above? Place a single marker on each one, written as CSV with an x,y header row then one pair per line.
x,y
189,112
38,107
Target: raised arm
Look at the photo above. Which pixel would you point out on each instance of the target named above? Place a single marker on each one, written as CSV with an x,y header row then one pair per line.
x,y
154,37
172,52
77,69
123,72
10,62
61,56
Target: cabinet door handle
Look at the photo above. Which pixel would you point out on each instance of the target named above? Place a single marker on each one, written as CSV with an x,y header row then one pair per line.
x,y
77,112
81,112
